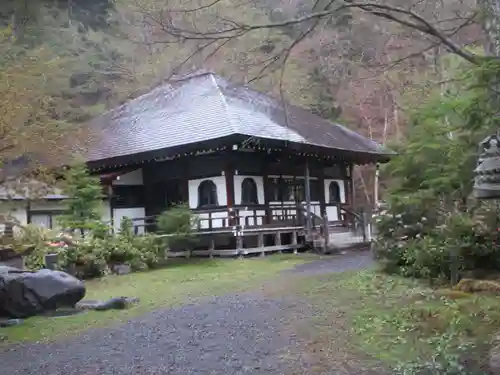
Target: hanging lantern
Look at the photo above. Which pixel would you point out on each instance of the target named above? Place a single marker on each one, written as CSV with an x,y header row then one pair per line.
x,y
487,172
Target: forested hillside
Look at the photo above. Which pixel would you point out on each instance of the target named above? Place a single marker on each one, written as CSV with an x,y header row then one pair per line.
x,y
353,66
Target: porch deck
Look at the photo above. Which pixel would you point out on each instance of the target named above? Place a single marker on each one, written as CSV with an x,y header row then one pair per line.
x,y
244,230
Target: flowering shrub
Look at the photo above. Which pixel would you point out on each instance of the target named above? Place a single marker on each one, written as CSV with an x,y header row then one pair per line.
x,y
92,255
418,246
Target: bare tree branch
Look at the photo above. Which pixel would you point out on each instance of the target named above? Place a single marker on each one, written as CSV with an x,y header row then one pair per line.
x,y
405,17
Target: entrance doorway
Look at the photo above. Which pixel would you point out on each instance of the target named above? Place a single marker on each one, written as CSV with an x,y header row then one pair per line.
x,y
173,193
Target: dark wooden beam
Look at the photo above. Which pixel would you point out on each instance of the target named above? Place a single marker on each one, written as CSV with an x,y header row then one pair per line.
x,y
307,184
265,179
322,192
353,188
229,177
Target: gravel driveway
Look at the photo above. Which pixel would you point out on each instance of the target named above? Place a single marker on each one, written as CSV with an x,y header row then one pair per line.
x,y
233,334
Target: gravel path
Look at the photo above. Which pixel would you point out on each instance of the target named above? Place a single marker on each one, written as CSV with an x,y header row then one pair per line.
x,y
337,263
233,334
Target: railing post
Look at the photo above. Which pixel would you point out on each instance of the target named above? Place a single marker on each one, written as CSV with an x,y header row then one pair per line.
x,y
294,241
326,233
277,239
365,223
211,248
239,239
260,240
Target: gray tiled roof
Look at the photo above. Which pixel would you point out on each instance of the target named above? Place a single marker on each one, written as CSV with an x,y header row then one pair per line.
x,y
203,106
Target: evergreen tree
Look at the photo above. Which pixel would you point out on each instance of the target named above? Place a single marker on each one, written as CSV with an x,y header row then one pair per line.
x,y
85,195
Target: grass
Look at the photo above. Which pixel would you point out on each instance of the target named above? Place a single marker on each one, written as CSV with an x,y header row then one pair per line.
x,y
162,288
396,320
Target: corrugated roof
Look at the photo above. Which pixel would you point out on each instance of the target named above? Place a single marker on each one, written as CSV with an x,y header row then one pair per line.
x,y
203,106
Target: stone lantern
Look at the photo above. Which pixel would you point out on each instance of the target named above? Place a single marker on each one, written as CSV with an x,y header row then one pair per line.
x,y
487,172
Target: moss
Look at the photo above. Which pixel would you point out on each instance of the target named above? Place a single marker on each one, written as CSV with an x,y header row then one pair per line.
x,y
399,320
452,294
474,286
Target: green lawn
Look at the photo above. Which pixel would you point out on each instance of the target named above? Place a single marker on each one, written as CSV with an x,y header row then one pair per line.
x,y
395,320
165,287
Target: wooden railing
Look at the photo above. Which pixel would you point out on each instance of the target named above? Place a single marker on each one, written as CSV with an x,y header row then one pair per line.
x,y
357,220
238,216
251,216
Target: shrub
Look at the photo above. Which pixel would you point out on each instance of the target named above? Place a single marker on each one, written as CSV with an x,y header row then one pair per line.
x,y
100,249
461,241
91,255
179,224
39,237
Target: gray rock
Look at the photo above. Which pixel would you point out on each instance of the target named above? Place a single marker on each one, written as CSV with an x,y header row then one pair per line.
x,y
9,322
121,269
116,303
24,294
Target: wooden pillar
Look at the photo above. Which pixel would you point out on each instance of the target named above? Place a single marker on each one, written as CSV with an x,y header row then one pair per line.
x,y
185,182
352,189
294,241
265,179
239,243
211,248
307,184
111,208
322,193
260,240
277,240
229,177
375,187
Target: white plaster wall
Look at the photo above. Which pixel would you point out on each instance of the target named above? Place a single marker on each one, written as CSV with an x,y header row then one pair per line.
x,y
105,212
341,187
219,181
130,178
132,213
259,181
332,213
16,210
315,207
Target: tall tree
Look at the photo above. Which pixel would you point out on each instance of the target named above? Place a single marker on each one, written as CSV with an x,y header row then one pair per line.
x,y
85,194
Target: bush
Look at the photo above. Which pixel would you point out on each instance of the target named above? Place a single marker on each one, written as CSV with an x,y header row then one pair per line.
x,y
429,249
39,237
101,249
92,255
178,224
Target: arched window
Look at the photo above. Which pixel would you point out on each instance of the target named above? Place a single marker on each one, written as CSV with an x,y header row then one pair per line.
x,y
334,192
249,191
207,194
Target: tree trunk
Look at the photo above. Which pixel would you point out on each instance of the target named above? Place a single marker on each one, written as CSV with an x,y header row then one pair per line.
x,y
491,25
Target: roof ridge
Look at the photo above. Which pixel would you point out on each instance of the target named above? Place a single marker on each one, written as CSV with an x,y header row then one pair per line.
x,y
234,127
193,74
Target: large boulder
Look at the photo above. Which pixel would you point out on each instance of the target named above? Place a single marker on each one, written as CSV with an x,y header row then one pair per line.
x,y
24,294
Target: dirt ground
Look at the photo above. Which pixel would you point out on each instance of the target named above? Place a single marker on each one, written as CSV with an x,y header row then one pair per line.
x,y
264,331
